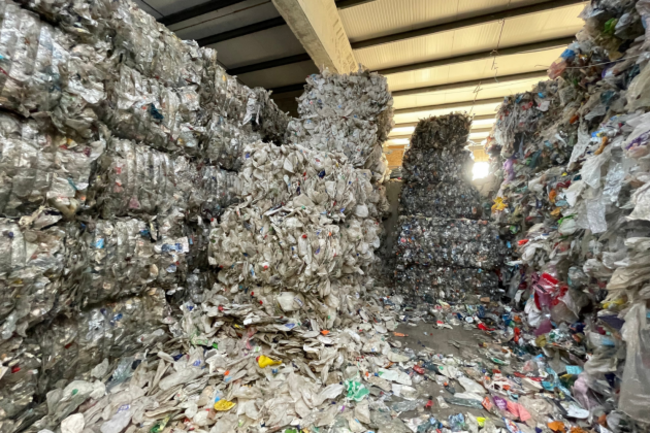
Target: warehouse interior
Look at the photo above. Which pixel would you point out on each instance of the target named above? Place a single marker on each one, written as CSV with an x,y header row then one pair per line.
x,y
324,216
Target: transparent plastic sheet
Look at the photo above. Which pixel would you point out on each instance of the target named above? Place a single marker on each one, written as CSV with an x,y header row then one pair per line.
x,y
42,167
635,389
449,242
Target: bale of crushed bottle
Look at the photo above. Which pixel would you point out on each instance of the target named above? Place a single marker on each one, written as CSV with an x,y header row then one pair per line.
x,y
431,283
141,109
460,243
32,52
265,116
53,354
273,175
32,264
72,347
50,73
349,114
133,179
224,101
126,256
453,200
290,248
448,132
214,190
41,166
432,166
136,38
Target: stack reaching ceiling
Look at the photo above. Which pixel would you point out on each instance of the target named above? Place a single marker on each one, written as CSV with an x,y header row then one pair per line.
x,y
443,247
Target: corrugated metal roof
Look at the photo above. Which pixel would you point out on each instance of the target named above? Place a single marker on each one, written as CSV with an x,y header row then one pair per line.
x,y
484,91
382,17
477,69
545,25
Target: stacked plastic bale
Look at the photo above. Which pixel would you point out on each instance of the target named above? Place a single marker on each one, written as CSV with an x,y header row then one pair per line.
x,y
304,227
350,114
443,248
110,171
574,191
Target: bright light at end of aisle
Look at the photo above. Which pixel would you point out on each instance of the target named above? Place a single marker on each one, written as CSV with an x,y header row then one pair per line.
x,y
481,170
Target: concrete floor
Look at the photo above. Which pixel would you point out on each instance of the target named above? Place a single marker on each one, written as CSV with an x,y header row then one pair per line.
x,y
441,341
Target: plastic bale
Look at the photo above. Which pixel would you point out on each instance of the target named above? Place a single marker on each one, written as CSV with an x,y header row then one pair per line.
x,y
72,347
31,267
456,243
43,167
32,54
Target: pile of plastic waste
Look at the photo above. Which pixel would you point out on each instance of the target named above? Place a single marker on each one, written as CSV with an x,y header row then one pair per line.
x,y
443,248
163,267
572,158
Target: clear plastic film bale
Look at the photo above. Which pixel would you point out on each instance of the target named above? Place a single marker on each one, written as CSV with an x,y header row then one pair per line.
x,y
142,109
32,52
40,166
72,347
127,256
31,268
449,242
134,179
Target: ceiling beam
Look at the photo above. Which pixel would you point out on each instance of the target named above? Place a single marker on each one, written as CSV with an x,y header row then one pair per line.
x,y
270,64
318,27
471,83
289,88
468,22
195,11
518,49
241,31
344,4
449,105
